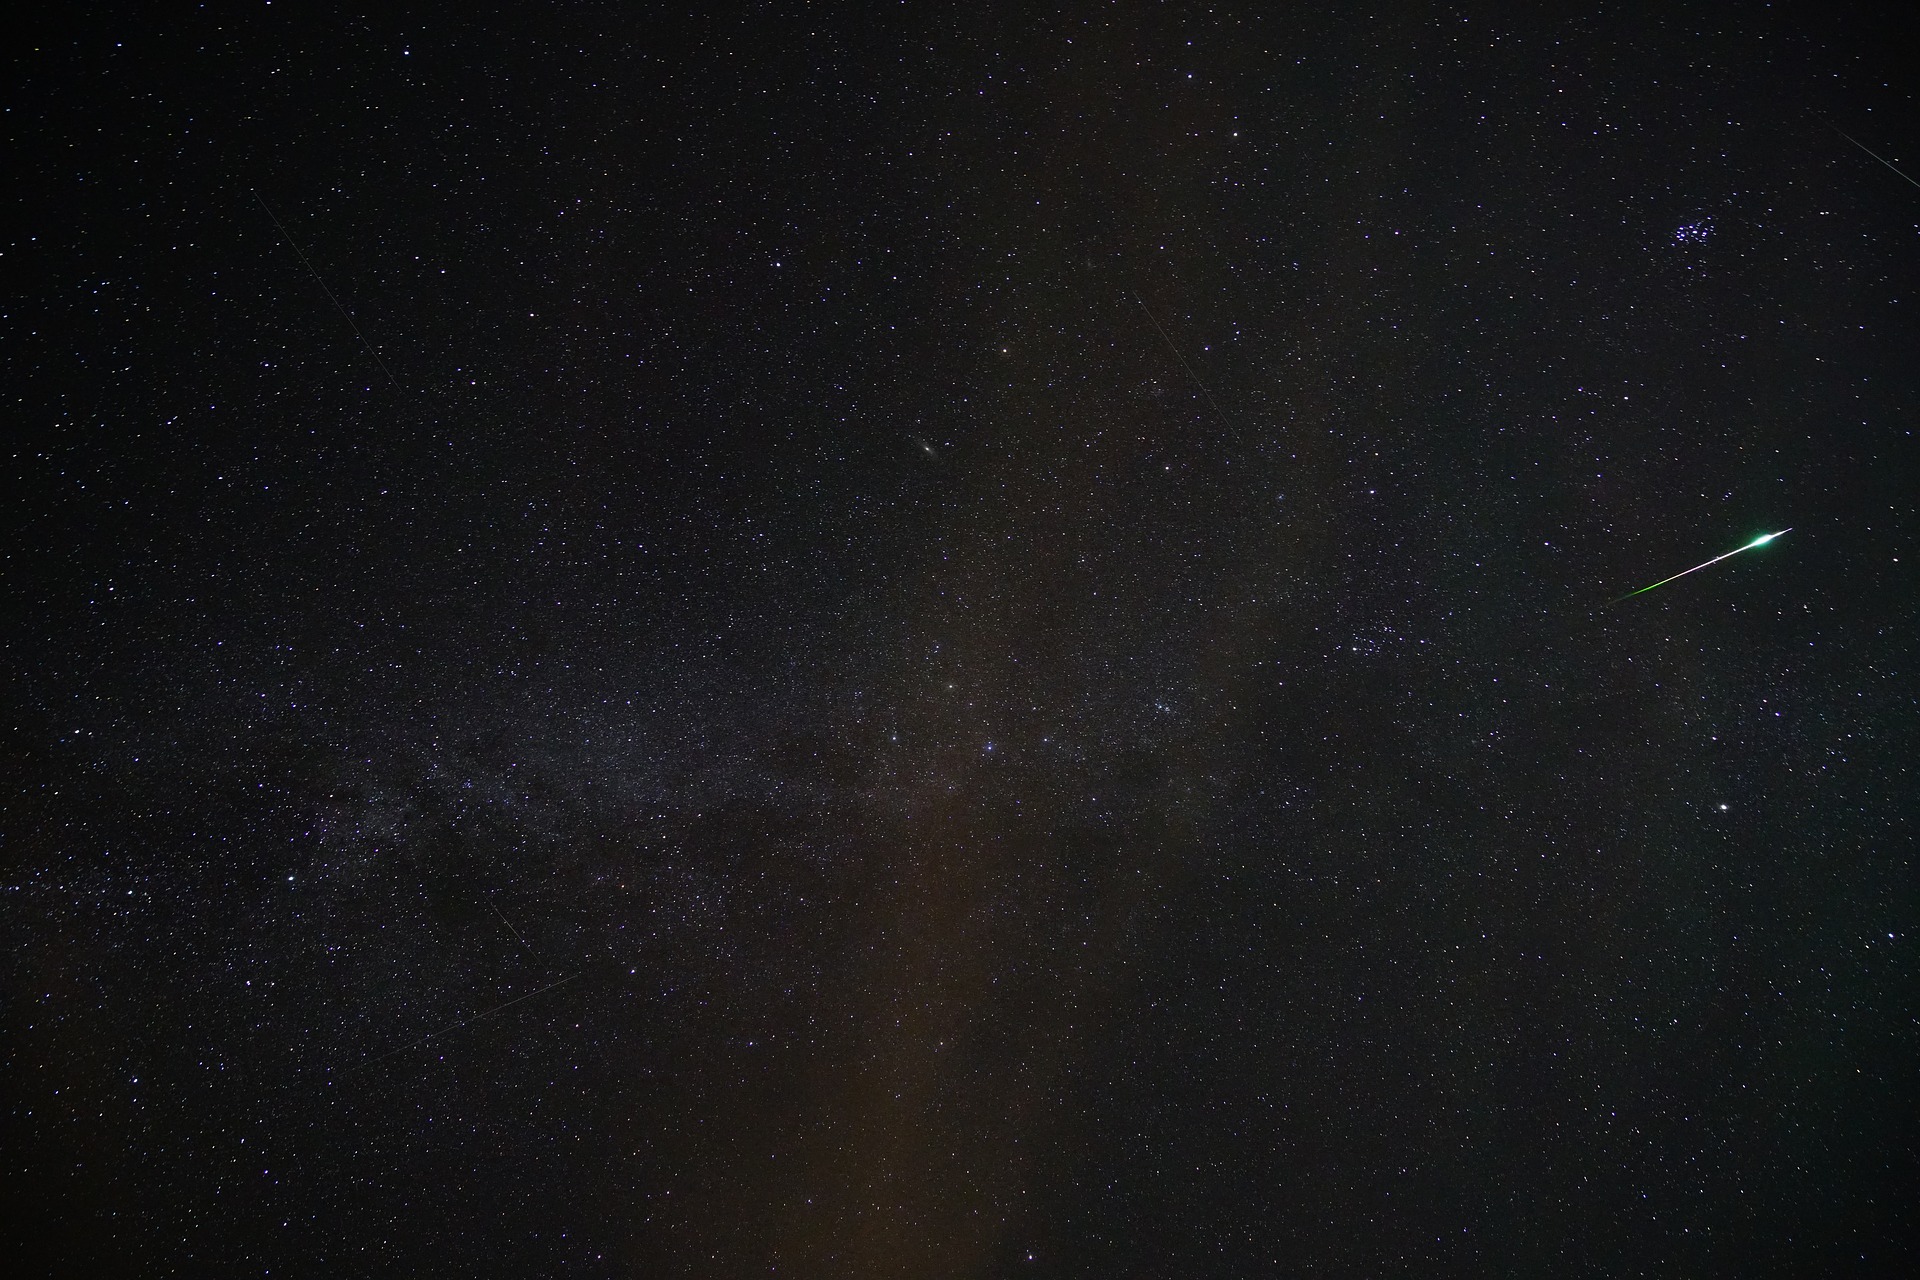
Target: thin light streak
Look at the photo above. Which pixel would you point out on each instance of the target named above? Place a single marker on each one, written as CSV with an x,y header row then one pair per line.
x,y
1167,338
1869,150
464,1022
510,929
1760,541
344,313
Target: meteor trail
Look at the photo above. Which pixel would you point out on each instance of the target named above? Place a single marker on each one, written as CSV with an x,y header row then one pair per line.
x,y
467,1021
510,929
1760,541
1870,151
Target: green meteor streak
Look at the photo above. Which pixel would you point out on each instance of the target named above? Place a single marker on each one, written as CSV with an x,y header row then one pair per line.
x,y
1760,541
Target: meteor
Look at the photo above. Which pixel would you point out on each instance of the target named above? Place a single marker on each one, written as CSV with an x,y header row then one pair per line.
x,y
1870,151
1760,541
488,1012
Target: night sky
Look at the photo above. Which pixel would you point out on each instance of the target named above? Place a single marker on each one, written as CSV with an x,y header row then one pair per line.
x,y
952,642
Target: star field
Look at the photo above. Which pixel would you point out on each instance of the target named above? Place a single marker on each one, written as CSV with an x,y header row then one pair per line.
x,y
944,643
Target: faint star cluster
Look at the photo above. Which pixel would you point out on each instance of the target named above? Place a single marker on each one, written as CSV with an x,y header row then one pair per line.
x,y
1695,232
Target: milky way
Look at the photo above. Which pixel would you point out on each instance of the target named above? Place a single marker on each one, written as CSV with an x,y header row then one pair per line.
x,y
958,645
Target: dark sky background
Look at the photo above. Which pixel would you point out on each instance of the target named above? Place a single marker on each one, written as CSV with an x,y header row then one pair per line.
x,y
959,641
